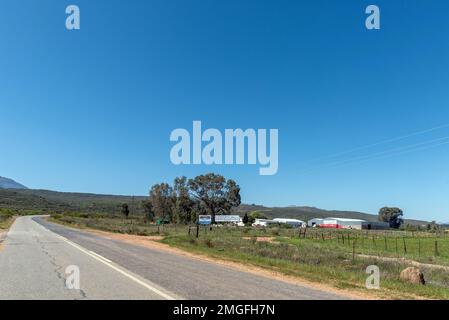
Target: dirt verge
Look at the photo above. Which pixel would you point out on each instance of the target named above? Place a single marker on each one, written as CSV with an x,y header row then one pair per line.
x,y
406,262
3,234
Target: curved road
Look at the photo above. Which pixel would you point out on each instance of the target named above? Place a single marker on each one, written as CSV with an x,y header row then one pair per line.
x,y
36,253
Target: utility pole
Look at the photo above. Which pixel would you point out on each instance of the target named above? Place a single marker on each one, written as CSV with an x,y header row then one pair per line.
x,y
132,205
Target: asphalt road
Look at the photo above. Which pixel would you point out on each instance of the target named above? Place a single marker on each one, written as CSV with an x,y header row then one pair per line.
x,y
36,253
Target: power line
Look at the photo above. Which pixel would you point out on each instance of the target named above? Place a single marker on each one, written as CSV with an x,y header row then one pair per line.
x,y
407,151
383,142
386,153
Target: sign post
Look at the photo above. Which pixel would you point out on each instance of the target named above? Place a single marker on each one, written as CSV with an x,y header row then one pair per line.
x,y
205,220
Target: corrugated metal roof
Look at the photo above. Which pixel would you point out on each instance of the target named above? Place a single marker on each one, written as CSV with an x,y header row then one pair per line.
x,y
346,219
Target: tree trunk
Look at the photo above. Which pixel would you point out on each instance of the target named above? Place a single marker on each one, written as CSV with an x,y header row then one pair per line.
x,y
213,215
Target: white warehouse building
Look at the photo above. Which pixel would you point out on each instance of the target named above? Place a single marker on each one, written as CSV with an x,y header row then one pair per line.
x,y
263,222
313,223
292,222
344,223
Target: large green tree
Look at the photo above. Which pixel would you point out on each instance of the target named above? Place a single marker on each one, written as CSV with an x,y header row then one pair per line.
x,y
391,215
183,203
214,194
162,202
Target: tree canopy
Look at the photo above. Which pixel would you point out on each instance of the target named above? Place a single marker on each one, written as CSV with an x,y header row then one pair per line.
x,y
214,194
391,215
205,194
161,199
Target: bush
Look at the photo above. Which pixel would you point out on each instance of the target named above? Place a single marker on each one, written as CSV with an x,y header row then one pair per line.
x,y
209,243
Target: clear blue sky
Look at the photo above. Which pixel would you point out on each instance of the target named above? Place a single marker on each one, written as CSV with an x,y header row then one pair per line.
x,y
92,110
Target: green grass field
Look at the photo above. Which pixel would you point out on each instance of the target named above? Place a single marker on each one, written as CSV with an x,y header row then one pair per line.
x,y
324,256
6,218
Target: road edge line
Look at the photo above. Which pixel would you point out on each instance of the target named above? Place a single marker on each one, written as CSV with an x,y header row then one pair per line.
x,y
110,264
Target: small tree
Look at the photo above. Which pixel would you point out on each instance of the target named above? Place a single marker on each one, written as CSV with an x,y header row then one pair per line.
x,y
125,210
433,226
391,215
183,203
149,211
162,201
256,215
245,219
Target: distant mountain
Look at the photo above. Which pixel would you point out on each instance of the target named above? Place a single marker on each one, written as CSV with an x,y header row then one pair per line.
x,y
52,201
6,183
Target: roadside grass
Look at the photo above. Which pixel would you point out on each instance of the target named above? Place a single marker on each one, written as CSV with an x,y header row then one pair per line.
x,y
6,218
430,249
117,224
318,263
328,257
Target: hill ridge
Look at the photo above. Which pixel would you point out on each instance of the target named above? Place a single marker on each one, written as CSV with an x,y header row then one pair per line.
x,y
7,183
55,201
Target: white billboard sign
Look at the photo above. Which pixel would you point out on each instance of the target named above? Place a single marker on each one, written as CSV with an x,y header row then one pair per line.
x,y
227,218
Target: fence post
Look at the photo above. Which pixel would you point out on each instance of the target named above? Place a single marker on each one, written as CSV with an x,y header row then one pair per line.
x,y
436,248
197,230
405,245
353,251
419,248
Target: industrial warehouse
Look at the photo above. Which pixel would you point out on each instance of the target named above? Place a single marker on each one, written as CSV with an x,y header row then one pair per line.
x,y
344,223
330,223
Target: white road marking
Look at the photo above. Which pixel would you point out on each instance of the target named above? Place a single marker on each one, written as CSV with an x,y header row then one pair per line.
x,y
100,256
110,264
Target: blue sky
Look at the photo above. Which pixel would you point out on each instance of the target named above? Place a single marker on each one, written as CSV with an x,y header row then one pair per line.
x,y
92,110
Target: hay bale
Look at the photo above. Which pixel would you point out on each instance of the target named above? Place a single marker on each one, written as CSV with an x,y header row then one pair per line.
x,y
413,275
